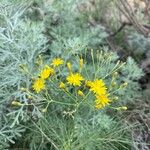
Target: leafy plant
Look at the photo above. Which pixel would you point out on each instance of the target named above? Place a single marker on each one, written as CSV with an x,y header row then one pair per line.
x,y
139,45
48,82
17,46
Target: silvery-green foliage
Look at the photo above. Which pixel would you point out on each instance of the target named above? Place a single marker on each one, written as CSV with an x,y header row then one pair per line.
x,y
90,132
87,128
20,42
66,31
18,46
131,73
139,44
9,135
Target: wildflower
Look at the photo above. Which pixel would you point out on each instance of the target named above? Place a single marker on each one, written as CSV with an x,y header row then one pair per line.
x,y
80,93
69,66
38,85
81,63
101,101
57,61
75,79
122,108
98,87
46,72
62,85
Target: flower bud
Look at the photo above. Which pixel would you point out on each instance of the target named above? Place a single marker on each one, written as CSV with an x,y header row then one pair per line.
x,y
122,108
69,66
44,110
124,85
113,84
23,89
30,97
15,103
62,85
88,83
39,60
115,74
81,63
115,98
80,93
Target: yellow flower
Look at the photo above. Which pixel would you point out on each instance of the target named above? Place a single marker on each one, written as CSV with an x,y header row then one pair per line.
x,y
101,101
69,66
38,85
46,72
80,93
98,87
57,61
62,85
75,79
81,63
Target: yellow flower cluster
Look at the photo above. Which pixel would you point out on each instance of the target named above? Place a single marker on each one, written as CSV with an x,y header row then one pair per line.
x,y
75,79
99,89
97,86
47,71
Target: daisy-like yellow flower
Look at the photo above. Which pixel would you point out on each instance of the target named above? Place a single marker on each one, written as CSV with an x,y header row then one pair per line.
x,y
98,87
74,79
101,101
57,62
80,93
38,85
62,85
46,72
